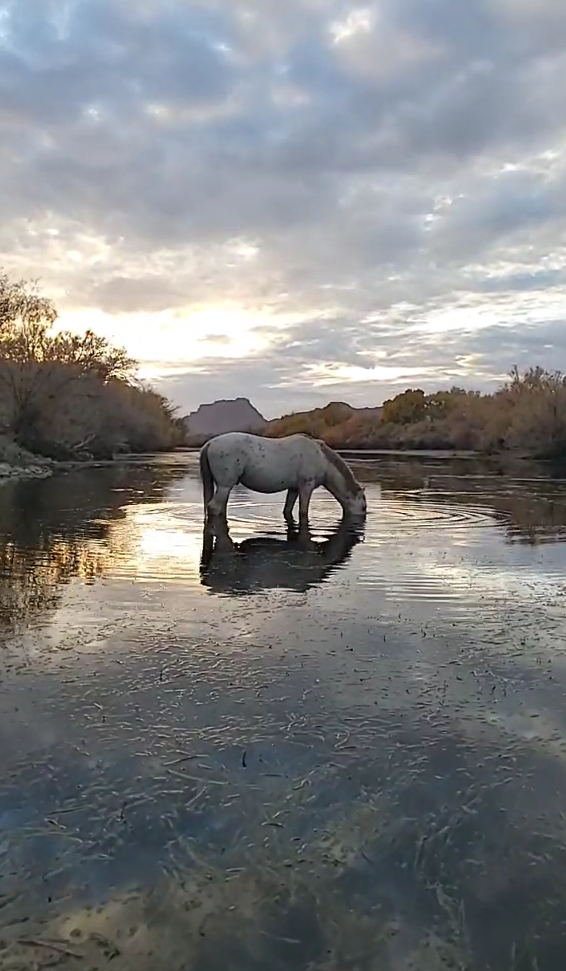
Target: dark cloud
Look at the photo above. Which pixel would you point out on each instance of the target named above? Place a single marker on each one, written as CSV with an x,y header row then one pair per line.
x,y
120,294
383,184
110,55
543,280
545,341
515,202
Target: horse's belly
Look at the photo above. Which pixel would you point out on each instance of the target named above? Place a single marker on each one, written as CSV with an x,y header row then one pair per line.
x,y
259,480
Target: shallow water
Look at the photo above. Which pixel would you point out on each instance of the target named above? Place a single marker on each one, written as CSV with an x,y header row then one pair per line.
x,y
353,758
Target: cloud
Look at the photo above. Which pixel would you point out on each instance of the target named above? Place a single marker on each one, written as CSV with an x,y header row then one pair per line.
x,y
372,190
512,205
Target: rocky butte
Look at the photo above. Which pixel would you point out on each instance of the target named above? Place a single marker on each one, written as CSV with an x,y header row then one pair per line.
x,y
226,415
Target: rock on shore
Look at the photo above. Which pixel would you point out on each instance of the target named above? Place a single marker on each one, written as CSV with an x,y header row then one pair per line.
x,y
17,463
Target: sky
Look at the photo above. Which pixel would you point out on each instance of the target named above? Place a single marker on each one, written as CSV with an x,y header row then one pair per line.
x,y
296,201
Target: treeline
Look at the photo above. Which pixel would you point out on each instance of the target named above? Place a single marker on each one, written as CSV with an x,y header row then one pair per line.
x,y
319,423
68,396
526,415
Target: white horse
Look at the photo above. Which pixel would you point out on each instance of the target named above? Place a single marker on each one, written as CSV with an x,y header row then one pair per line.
x,y
297,463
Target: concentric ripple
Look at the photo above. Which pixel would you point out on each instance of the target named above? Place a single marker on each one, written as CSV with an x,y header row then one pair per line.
x,y
411,538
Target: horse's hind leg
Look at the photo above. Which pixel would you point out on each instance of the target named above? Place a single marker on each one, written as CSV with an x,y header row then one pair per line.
x,y
207,478
218,504
207,493
292,496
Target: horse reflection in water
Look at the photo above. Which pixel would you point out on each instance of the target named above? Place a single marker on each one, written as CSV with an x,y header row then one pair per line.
x,y
267,562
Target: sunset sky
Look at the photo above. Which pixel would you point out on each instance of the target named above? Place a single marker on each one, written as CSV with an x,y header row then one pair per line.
x,y
292,200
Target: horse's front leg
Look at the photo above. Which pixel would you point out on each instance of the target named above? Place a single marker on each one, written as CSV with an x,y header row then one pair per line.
x,y
292,496
306,490
218,505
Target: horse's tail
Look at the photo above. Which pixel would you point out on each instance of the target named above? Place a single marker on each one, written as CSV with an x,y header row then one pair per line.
x,y
206,475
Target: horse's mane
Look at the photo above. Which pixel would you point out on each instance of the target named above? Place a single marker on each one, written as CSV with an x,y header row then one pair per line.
x,y
342,466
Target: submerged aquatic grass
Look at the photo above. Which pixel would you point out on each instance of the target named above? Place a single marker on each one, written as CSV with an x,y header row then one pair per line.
x,y
360,768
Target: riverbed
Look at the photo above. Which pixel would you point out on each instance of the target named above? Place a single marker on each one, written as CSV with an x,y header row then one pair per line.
x,y
349,757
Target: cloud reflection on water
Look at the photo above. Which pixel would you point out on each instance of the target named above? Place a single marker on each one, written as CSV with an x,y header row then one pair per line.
x,y
364,755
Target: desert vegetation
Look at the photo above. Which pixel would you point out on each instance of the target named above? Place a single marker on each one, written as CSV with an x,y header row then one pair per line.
x,y
526,415
64,395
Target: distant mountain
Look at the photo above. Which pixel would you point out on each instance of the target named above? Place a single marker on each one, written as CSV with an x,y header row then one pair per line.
x,y
235,415
338,423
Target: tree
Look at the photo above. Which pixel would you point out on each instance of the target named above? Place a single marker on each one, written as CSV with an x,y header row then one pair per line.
x,y
22,306
141,418
62,392
405,408
535,404
41,369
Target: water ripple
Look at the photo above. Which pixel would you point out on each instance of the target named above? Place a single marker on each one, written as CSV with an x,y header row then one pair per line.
x,y
347,757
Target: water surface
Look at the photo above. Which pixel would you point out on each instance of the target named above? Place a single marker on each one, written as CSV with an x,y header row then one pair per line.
x,y
345,758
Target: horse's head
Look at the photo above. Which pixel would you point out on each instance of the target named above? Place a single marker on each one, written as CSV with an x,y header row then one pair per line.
x,y
356,503
340,481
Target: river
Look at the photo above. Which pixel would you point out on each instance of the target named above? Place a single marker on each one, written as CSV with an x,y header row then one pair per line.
x,y
344,760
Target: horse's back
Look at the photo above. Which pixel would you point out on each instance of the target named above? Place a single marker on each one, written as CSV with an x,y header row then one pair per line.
x,y
260,447
229,444
233,439
252,438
